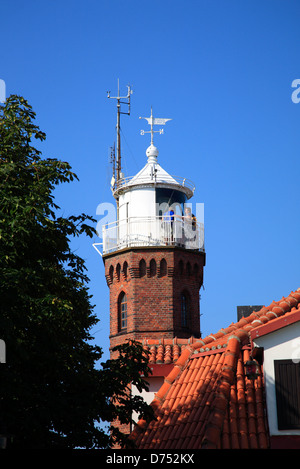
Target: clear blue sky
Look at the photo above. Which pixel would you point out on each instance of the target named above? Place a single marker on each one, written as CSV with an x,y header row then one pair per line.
x,y
222,70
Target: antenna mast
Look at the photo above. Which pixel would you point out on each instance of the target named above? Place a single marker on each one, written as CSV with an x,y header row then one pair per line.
x,y
113,161
119,102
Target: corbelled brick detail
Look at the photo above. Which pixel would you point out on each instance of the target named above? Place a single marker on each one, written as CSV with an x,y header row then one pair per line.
x,y
153,280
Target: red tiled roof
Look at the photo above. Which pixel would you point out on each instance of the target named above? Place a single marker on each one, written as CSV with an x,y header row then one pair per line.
x,y
278,323
206,401
166,351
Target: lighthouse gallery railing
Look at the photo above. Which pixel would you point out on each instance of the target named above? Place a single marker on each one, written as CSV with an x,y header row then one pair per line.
x,y
152,231
165,179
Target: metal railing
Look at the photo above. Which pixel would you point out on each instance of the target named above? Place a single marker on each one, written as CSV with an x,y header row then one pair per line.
x,y
152,231
165,179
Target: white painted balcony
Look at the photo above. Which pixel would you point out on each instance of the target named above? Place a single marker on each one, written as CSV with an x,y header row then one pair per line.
x,y
152,231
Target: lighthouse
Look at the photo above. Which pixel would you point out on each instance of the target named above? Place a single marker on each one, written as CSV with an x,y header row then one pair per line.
x,y
153,252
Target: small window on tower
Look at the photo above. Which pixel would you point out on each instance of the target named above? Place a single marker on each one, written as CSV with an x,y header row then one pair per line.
x,y
111,273
184,310
122,307
180,267
163,267
125,268
152,268
118,270
142,268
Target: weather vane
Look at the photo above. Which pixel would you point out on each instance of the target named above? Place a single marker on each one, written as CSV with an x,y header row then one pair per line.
x,y
154,121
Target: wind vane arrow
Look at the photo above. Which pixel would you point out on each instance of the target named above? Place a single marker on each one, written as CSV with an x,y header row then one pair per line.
x,y
154,121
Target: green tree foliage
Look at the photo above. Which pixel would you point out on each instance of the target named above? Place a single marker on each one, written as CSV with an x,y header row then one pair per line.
x,y
52,394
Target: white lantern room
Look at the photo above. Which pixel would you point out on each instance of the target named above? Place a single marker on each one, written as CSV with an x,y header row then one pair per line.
x,y
152,208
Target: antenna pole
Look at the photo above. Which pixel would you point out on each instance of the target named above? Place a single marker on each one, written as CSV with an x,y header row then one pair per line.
x,y
118,135
113,160
119,102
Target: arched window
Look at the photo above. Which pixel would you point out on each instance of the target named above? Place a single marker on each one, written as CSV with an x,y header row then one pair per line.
x,y
122,312
180,267
152,268
142,268
184,310
111,273
118,270
163,267
125,267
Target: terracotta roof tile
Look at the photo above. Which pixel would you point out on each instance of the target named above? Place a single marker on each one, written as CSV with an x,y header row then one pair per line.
x,y
206,401
166,351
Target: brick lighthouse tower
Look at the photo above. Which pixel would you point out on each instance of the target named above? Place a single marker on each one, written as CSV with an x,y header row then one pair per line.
x,y
153,254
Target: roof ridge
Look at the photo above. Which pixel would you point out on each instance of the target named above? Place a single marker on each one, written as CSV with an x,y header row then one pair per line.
x,y
245,324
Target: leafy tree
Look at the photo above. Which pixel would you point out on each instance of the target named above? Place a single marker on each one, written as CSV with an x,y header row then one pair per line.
x,y
52,394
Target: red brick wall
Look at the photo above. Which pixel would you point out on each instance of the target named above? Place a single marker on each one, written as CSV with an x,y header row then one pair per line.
x,y
154,295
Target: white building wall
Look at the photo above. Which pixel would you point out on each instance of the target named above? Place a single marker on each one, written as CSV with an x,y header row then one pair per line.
x,y
283,344
155,383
